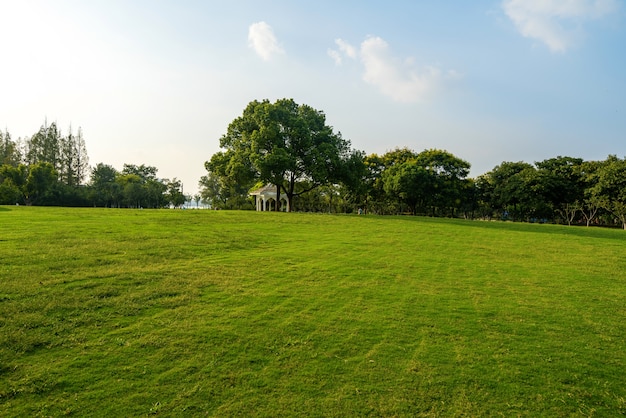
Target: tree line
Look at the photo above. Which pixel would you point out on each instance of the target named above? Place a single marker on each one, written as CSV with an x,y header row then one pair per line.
x,y
290,147
50,168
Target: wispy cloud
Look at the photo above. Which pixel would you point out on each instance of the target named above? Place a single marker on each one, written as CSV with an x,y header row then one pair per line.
x,y
556,23
400,80
262,40
344,49
336,56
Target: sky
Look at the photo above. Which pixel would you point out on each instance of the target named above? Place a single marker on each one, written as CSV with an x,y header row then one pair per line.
x,y
157,82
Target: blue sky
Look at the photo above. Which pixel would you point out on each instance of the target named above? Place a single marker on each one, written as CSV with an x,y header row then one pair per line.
x,y
157,82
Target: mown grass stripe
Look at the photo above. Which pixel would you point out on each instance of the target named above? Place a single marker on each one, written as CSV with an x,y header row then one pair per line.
x,y
129,313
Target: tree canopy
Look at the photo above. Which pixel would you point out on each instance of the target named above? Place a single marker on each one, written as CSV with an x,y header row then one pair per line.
x,y
291,147
284,144
51,168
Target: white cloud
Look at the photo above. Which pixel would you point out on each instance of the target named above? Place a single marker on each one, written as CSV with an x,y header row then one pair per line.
x,y
346,48
401,81
550,21
261,38
401,84
336,56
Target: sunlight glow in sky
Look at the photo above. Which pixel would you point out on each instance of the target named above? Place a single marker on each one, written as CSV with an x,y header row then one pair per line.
x,y
158,81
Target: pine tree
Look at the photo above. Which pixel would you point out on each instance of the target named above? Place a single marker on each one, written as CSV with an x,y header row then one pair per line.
x,y
45,146
81,162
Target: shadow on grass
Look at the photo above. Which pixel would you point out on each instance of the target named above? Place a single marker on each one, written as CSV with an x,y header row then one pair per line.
x,y
4,209
593,232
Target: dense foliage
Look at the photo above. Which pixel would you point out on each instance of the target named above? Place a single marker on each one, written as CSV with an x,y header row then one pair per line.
x,y
283,144
561,189
50,168
275,144
291,147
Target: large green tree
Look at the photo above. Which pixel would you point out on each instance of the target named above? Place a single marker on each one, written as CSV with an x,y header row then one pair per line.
x,y
174,194
593,202
353,188
448,178
12,183
282,143
409,182
433,180
74,159
377,199
9,150
610,187
104,190
136,186
510,189
141,188
561,185
40,183
223,192
45,146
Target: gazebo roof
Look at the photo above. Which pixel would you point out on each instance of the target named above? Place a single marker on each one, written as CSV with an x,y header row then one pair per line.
x,y
267,190
266,194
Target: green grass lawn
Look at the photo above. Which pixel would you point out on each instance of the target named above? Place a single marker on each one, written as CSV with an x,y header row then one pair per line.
x,y
195,313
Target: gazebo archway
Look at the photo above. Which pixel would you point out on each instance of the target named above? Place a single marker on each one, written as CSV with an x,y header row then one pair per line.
x,y
265,197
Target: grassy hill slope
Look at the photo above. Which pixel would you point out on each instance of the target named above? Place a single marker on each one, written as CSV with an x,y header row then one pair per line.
x,y
184,313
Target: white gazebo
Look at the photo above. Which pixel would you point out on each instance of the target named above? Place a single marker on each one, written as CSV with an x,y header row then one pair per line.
x,y
265,198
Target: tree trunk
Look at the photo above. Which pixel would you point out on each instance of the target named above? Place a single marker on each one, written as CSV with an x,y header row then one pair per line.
x,y
277,202
290,191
